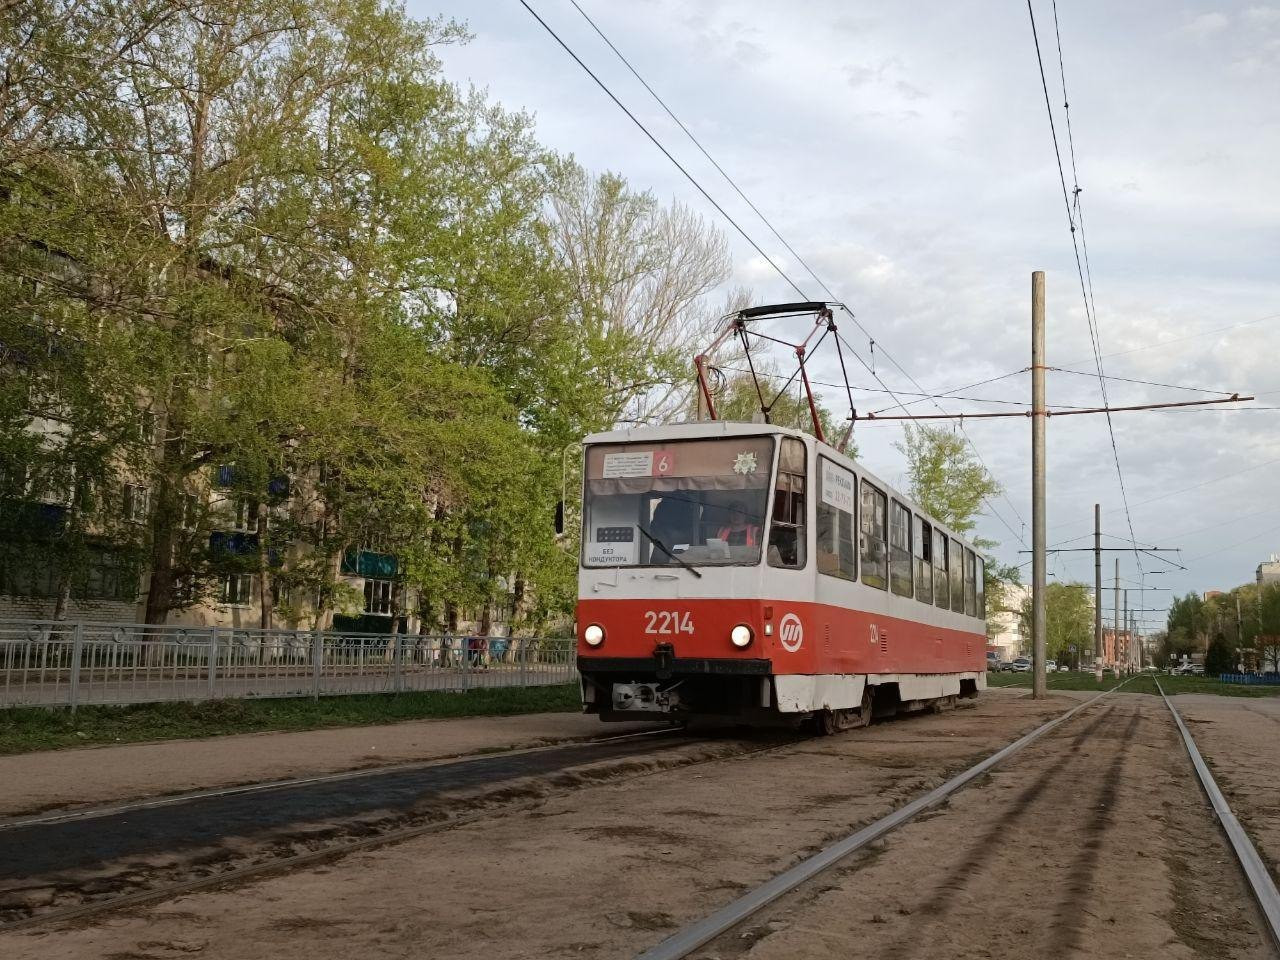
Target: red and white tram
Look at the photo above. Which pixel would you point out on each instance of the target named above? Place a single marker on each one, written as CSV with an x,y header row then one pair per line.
x,y
751,571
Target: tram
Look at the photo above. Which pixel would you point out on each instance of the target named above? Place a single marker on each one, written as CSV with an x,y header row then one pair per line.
x,y
753,572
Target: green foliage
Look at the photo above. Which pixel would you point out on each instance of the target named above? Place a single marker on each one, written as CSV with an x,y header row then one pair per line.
x,y
1068,621
1220,657
279,234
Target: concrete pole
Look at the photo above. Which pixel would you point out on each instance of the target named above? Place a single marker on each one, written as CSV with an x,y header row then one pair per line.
x,y
1039,688
1097,592
1126,630
1115,610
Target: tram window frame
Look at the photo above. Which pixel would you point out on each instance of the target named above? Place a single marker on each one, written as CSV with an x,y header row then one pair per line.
x,y
922,557
955,568
982,585
789,503
900,555
970,584
941,569
835,528
875,569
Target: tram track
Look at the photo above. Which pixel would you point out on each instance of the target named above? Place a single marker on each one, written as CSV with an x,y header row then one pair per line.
x,y
696,935
1080,871
88,862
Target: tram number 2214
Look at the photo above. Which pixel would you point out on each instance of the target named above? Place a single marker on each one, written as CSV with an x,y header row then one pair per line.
x,y
667,622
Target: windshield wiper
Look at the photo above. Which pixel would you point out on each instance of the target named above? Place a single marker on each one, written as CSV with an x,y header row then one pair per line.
x,y
663,547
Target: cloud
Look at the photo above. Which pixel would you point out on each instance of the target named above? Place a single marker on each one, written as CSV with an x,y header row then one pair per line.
x,y
1206,25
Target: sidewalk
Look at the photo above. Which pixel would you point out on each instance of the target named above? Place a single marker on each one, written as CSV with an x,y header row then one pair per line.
x,y
33,782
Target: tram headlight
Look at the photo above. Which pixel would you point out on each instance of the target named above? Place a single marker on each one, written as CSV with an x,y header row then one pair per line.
x,y
593,635
740,636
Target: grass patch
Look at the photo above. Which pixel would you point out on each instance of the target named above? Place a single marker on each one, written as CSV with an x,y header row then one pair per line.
x,y
25,729
1143,683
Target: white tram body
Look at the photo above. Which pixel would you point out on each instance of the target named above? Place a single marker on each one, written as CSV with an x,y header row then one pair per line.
x,y
753,572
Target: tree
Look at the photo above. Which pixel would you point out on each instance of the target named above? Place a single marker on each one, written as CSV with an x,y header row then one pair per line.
x,y
951,484
945,477
1068,620
640,275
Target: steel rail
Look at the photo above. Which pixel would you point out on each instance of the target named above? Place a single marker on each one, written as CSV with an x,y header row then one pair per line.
x,y
108,810
1255,871
690,938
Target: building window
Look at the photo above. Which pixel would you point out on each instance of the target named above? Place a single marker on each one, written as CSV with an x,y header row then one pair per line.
x,y
899,549
137,503
245,517
836,487
236,589
377,597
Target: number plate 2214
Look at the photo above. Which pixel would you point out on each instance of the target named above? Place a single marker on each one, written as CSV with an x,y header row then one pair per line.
x,y
667,622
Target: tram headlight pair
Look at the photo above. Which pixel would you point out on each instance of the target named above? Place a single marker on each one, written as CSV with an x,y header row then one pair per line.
x,y
740,636
593,635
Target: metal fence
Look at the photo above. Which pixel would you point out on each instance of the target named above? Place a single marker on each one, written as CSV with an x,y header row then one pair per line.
x,y
1251,679
72,663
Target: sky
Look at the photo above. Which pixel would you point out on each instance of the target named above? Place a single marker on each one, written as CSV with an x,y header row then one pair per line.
x,y
904,152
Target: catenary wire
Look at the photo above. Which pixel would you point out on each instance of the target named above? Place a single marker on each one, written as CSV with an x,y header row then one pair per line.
x,y
657,143
1081,269
755,246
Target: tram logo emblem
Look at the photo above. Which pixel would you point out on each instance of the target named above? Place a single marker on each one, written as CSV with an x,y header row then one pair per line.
x,y
791,633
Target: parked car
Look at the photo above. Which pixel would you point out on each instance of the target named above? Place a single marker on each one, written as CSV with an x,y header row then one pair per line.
x,y
1006,666
1021,665
993,661
1050,666
1063,668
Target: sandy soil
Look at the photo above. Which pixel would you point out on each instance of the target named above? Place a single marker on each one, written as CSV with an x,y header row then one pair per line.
x,y
1092,842
1239,737
34,782
1095,842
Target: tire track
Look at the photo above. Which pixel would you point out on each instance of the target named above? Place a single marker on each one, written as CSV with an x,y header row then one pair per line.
x,y
978,856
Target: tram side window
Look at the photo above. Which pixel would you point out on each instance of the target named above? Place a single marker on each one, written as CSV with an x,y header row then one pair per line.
x,y
982,586
899,549
922,540
956,568
941,582
875,546
786,533
970,585
836,487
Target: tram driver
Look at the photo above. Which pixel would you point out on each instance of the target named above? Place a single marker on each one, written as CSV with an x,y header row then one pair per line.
x,y
737,532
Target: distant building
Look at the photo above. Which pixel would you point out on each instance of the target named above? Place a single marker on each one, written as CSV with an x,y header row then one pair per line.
x,y
1269,571
1005,627
1210,594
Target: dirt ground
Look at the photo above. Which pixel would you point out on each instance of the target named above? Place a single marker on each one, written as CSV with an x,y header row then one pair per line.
x,y
1239,737
33,782
1094,841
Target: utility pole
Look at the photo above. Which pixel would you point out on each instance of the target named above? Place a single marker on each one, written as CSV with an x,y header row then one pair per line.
x,y
1115,610
1097,592
1126,628
1039,689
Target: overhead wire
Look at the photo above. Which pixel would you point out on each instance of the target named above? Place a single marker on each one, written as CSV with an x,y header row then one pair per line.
x,y
870,368
1082,269
657,143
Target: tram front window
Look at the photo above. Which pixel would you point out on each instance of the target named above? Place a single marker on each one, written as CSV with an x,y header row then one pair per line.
x,y
697,502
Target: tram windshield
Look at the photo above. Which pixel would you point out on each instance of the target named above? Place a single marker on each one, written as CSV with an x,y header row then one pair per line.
x,y
694,502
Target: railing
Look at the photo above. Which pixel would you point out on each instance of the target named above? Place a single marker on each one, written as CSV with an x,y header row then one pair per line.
x,y
74,663
1251,679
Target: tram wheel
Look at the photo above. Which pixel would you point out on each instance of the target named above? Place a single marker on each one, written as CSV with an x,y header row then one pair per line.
x,y
866,711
